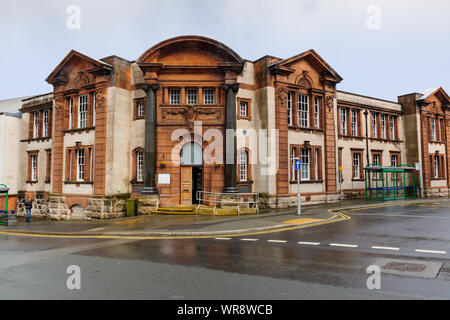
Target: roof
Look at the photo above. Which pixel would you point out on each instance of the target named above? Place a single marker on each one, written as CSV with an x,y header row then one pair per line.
x,y
11,105
427,93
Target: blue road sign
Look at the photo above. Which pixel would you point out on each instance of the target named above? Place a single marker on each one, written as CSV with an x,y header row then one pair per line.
x,y
298,164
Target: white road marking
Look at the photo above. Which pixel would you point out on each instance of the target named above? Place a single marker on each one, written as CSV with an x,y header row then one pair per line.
x,y
249,239
277,241
344,245
309,243
431,251
385,248
222,238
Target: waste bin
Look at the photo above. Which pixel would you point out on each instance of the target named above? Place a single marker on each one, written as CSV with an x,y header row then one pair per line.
x,y
131,207
11,220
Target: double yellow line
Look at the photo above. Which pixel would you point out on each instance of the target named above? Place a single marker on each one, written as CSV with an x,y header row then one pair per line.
x,y
342,217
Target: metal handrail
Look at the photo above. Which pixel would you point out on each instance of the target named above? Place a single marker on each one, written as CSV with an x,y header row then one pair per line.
x,y
201,199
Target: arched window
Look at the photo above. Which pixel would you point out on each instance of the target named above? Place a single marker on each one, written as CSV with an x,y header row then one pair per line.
x,y
191,155
138,165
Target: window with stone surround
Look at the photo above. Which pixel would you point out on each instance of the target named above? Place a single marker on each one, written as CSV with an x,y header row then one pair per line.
x,y
192,96
354,122
374,125
392,132
137,166
383,126
83,105
209,96
33,166
303,110
70,113
36,125
311,163
437,163
343,121
79,164
289,108
175,96
357,164
139,108
48,171
433,129
317,112
243,165
244,108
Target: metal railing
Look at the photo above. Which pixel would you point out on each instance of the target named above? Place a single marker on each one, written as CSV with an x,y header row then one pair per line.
x,y
215,198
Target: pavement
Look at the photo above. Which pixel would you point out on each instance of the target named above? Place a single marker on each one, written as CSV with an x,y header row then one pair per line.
x,y
269,220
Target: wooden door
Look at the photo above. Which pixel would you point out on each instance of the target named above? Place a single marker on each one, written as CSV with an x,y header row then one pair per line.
x,y
186,185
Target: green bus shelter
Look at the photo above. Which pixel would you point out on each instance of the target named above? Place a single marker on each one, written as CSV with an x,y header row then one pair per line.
x,y
389,183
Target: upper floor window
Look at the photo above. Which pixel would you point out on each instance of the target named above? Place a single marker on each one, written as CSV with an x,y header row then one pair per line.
x,y
354,122
45,123
343,120
192,96
243,108
303,110
70,112
83,111
383,126
140,109
316,112
94,108
36,125
374,125
289,108
392,127
175,96
209,96
433,129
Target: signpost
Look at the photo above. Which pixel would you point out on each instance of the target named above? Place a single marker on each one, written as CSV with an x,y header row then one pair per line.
x,y
340,181
298,165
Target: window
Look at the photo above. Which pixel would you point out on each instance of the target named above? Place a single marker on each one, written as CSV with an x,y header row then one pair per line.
x,y
45,124
392,127
82,111
289,108
192,96
354,122
394,160
383,126
70,112
209,96
303,110
294,158
175,97
36,125
140,109
356,165
316,112
243,109
436,166
374,125
94,108
343,123
243,166
91,165
376,158
305,164
433,129
80,165
34,167
140,166
316,163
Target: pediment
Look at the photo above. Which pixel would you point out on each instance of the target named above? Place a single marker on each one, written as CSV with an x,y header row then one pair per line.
x,y
76,70
295,65
437,101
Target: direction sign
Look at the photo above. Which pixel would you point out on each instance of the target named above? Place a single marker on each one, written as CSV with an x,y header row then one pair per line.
x,y
298,164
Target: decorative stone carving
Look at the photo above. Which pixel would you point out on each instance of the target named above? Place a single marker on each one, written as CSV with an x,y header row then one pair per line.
x,y
281,95
329,103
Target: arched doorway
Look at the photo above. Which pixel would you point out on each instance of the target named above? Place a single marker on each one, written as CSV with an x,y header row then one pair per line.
x,y
191,172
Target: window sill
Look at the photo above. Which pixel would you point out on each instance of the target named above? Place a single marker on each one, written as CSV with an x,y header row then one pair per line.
x,y
31,181
345,136
244,118
137,183
139,118
245,182
306,181
358,180
72,131
305,129
436,142
78,182
438,179
48,138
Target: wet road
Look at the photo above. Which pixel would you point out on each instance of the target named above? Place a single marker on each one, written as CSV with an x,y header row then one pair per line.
x,y
325,262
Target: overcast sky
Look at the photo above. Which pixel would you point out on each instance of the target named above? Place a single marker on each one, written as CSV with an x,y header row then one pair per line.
x,y
409,52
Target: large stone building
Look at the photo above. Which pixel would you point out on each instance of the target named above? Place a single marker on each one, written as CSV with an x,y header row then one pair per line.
x,y
163,127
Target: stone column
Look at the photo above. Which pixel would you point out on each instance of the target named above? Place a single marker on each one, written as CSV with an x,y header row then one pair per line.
x,y
230,138
150,141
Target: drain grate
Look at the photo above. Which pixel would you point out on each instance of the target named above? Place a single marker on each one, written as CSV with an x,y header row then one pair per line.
x,y
405,267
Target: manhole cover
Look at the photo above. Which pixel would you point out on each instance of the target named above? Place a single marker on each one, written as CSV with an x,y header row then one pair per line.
x,y
405,267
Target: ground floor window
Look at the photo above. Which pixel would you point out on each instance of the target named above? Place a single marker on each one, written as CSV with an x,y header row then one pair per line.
x,y
357,165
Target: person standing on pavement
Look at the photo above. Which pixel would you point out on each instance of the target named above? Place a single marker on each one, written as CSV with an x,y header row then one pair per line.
x,y
28,205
